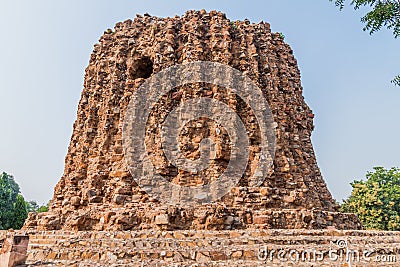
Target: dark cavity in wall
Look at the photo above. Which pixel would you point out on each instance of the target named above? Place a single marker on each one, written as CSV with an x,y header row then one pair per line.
x,y
141,68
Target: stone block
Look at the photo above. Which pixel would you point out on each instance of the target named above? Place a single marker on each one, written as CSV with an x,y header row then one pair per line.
x,y
13,250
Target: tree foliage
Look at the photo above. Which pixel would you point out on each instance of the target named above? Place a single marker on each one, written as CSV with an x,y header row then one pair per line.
x,y
396,80
376,201
43,208
9,190
20,212
13,208
32,206
383,14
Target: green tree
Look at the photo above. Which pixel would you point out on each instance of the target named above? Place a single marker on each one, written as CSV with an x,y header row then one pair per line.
x,y
31,206
376,201
9,190
383,14
43,208
20,212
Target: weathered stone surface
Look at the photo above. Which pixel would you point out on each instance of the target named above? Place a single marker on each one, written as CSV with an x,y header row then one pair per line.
x,y
97,191
162,219
212,248
13,249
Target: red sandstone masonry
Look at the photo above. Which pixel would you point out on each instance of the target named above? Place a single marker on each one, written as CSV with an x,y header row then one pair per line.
x,y
100,217
97,191
13,248
207,248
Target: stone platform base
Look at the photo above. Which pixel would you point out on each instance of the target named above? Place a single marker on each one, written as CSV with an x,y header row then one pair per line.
x,y
208,217
214,248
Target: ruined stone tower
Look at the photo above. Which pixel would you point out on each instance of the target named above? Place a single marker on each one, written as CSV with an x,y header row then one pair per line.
x,y
97,191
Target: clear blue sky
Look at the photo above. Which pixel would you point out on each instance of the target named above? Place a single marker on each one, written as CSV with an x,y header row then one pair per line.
x,y
45,47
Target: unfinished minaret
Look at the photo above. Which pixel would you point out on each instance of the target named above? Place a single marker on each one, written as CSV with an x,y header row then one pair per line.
x,y
98,191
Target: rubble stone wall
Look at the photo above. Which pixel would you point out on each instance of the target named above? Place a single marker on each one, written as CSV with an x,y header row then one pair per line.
x,y
213,248
97,192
